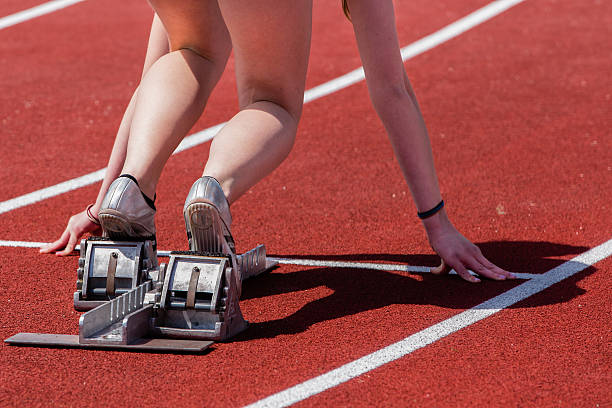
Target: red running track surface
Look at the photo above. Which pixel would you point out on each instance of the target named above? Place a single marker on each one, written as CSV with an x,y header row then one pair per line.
x,y
518,113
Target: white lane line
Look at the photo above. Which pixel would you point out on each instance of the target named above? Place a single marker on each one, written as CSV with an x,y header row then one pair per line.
x,y
301,262
21,244
426,43
377,266
52,191
434,333
45,8
344,264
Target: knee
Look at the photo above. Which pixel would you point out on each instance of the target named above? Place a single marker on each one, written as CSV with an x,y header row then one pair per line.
x,y
205,69
216,52
290,101
217,56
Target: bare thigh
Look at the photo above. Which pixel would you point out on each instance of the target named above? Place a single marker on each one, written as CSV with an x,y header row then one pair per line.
x,y
271,41
196,25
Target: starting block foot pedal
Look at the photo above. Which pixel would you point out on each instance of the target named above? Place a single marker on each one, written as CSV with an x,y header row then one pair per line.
x,y
108,269
199,298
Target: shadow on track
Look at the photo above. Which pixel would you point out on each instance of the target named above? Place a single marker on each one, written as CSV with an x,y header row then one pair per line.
x,y
357,290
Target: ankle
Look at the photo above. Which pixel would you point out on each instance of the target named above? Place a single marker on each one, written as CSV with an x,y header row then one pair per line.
x,y
225,183
148,194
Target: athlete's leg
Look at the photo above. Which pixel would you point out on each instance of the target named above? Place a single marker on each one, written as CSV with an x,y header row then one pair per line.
x,y
157,47
174,91
80,223
271,41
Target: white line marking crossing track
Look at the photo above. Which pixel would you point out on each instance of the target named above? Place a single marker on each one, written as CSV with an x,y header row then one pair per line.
x,y
294,261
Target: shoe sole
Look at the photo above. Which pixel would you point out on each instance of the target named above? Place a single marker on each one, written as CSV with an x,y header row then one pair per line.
x,y
116,226
206,228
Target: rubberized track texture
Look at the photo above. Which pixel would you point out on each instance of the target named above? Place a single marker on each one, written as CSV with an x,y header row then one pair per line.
x,y
518,113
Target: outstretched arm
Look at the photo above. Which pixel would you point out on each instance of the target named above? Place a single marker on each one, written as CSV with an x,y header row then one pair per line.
x,y
397,107
80,224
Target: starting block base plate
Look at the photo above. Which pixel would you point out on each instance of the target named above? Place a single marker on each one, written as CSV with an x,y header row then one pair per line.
x,y
144,344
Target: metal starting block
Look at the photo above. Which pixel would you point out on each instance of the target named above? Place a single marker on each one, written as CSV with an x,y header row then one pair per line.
x,y
134,303
199,298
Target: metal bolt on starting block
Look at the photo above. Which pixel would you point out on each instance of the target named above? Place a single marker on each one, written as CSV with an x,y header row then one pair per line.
x,y
136,304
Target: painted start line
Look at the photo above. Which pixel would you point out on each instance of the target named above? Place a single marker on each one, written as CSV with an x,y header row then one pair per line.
x,y
390,267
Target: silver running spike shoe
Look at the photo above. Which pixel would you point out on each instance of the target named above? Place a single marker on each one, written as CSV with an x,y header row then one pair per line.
x,y
125,214
208,218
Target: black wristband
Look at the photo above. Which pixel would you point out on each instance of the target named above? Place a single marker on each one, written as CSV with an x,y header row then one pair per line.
x,y
429,213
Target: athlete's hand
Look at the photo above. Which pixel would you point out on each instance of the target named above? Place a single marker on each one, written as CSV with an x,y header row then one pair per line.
x,y
78,225
458,253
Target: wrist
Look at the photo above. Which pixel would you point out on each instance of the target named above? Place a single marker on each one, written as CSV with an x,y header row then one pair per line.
x,y
92,214
95,208
432,211
436,224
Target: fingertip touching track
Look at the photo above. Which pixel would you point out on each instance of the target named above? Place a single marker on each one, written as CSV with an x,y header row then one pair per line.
x,y
516,107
